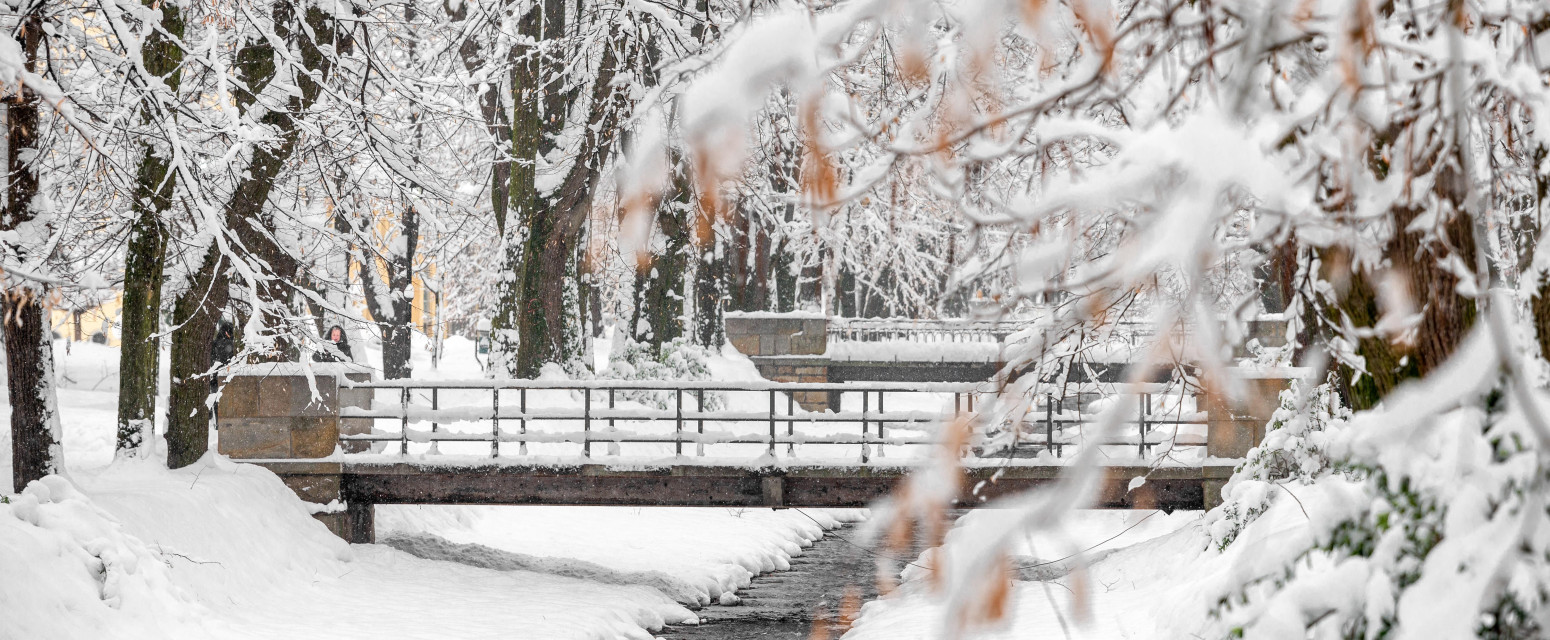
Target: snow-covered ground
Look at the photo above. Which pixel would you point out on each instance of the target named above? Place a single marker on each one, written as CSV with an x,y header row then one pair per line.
x,y
224,550
1131,557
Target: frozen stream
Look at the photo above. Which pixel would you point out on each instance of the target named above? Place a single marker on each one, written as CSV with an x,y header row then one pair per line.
x,y
776,605
788,604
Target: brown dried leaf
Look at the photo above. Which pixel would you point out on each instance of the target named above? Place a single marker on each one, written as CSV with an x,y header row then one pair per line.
x,y
820,178
820,626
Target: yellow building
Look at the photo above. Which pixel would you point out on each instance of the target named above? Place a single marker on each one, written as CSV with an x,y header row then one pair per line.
x,y
99,324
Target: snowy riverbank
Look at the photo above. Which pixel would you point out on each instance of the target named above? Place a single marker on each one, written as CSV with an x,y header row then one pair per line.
x,y
224,550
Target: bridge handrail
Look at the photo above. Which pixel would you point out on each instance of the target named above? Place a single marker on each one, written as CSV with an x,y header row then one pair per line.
x,y
599,423
672,385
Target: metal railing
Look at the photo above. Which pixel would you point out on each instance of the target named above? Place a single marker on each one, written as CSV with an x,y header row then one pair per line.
x,y
1050,432
513,423
504,405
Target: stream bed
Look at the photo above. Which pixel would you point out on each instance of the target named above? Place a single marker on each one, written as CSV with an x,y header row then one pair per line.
x,y
787,605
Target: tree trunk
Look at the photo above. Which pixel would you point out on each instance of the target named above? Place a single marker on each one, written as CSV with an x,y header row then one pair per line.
x,y
1540,307
662,303
397,333
200,306
709,283
145,257
545,325
524,223
1446,316
195,312
29,354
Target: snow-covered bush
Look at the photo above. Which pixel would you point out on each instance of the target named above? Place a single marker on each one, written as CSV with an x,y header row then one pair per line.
x,y
1295,449
1423,518
679,360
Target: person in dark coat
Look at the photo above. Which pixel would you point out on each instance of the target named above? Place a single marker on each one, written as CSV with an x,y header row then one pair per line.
x,y
222,349
336,346
225,344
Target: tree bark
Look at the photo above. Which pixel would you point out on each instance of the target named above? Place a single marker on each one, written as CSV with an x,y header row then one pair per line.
x,y
29,354
200,306
195,312
394,319
545,328
709,286
662,303
145,257
1446,316
510,329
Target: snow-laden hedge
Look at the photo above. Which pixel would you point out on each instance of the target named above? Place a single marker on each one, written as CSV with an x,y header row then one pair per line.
x,y
1422,519
1295,450
678,360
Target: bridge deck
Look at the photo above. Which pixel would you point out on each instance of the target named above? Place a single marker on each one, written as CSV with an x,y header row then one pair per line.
x,y
702,485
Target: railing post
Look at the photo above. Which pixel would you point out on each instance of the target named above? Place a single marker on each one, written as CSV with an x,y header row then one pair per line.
x,y
1049,423
791,431
495,422
678,431
1144,409
522,406
586,422
882,447
772,423
435,405
403,426
699,425
613,444
865,406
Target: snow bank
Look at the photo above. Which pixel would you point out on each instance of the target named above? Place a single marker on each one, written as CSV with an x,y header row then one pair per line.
x,y
693,554
225,550
70,571
1132,559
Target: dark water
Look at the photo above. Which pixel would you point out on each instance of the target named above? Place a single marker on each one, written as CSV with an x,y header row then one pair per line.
x,y
789,604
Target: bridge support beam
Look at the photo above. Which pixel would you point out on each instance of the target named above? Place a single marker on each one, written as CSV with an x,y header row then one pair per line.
x,y
268,414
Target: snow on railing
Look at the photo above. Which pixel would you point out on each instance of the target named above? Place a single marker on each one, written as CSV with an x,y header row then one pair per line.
x,y
510,415
959,330
944,330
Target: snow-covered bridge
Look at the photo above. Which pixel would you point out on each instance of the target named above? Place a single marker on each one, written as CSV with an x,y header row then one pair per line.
x,y
806,347
346,442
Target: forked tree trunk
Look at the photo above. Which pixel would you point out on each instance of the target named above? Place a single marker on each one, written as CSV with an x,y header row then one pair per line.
x,y
199,307
546,323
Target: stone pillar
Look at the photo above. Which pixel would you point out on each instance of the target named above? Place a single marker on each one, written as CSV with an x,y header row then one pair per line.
x,y
1236,425
778,334
1213,480
786,347
268,413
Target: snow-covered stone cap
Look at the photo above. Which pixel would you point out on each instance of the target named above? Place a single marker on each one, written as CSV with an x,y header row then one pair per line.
x,y
264,369
795,315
